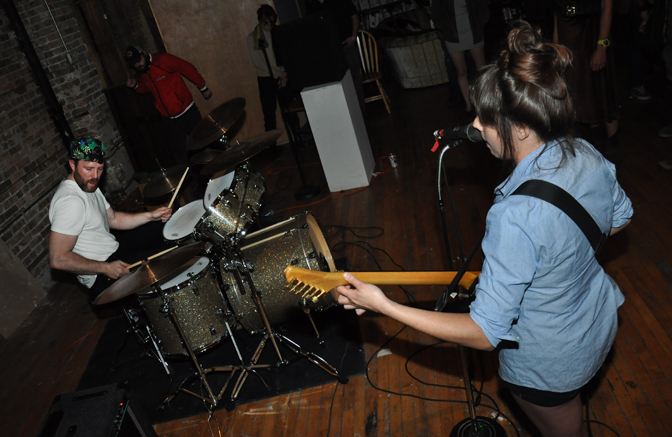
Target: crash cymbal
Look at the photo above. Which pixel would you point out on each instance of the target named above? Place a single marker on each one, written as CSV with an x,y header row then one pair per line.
x,y
162,267
216,123
237,153
164,183
204,157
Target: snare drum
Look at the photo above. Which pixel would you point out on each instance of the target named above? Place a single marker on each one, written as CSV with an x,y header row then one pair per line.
x,y
234,208
198,303
298,242
180,227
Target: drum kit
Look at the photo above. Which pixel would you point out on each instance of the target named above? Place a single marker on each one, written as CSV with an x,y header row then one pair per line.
x,y
219,278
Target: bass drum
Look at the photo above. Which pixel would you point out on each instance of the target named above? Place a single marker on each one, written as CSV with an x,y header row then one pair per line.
x,y
198,303
298,242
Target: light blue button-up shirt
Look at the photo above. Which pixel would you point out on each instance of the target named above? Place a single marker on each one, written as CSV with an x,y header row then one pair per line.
x,y
541,286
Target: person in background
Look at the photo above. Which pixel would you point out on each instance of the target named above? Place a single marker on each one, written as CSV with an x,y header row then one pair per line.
x,y
272,83
462,25
346,18
584,27
161,74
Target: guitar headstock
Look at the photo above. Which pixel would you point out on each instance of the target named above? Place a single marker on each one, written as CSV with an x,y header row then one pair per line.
x,y
311,284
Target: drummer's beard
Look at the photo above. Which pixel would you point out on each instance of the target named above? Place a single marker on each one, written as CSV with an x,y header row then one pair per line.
x,y
87,185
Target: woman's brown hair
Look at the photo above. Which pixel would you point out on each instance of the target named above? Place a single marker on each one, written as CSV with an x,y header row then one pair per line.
x,y
525,87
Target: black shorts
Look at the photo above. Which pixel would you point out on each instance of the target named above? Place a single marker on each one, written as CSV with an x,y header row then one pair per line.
x,y
542,398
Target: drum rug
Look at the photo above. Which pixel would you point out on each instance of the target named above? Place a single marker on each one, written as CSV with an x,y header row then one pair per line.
x,y
121,357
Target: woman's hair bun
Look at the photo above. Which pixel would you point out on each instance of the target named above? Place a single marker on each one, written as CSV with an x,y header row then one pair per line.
x,y
526,44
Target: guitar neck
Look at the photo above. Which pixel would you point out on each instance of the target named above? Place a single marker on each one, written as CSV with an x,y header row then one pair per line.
x,y
407,278
314,283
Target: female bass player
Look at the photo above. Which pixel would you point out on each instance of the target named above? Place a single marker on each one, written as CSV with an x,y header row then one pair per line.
x,y
541,286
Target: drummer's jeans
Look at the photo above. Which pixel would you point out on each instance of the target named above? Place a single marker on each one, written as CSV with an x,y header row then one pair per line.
x,y
134,245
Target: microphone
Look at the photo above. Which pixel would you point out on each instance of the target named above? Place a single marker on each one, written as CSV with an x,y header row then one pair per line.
x,y
466,132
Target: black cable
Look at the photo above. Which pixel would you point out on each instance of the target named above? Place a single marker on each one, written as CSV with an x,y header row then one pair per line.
x,y
602,424
338,247
333,396
350,229
480,392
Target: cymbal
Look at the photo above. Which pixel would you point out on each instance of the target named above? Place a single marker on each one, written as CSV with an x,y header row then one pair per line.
x,y
204,157
164,183
216,123
238,153
162,267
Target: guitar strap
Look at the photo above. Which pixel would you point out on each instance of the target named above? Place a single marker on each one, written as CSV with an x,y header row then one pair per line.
x,y
557,197
561,199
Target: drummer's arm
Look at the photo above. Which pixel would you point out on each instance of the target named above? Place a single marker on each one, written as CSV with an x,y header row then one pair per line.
x,y
123,220
61,257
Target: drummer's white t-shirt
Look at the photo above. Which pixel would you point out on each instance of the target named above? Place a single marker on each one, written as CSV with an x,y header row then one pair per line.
x,y
76,212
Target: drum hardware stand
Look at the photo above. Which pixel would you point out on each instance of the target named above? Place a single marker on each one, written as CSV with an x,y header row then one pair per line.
x,y
200,372
143,338
275,337
303,303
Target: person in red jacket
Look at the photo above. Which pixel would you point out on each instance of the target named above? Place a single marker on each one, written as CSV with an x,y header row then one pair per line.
x,y
161,75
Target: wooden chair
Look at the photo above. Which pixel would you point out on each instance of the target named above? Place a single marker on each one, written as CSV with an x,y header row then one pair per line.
x,y
368,55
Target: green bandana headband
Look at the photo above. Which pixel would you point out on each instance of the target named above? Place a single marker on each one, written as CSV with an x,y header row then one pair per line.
x,y
87,149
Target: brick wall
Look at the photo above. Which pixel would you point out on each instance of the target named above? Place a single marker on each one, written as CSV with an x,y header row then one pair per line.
x,y
32,155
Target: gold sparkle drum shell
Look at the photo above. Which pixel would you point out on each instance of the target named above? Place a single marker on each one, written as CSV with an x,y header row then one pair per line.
x,y
298,242
195,297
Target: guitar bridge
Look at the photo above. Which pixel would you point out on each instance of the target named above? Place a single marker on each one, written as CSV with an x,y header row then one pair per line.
x,y
306,291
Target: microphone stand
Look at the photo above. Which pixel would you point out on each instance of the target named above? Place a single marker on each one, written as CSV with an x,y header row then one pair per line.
x,y
472,426
305,191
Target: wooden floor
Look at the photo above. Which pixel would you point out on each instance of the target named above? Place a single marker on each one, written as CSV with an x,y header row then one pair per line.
x,y
412,389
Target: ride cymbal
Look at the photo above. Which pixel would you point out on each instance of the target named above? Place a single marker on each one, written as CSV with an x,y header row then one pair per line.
x,y
216,123
238,153
204,157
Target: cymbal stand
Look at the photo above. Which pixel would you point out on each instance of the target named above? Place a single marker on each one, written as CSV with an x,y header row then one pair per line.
x,y
200,372
162,169
134,325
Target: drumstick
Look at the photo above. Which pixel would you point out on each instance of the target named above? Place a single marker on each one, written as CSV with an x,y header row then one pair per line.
x,y
152,257
178,187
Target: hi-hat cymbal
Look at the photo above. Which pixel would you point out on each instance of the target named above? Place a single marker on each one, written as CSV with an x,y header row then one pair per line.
x,y
204,157
216,123
238,153
162,267
164,183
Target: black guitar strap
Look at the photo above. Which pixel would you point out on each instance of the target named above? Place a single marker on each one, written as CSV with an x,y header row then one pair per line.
x,y
554,195
569,205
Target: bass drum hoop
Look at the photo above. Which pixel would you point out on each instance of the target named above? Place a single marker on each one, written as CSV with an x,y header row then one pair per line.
x,y
246,312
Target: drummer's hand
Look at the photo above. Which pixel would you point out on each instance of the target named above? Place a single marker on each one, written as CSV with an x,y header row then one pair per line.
x,y
131,83
360,298
162,214
207,94
116,269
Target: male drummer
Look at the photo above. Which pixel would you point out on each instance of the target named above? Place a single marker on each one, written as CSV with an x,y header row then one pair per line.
x,y
161,75
80,241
